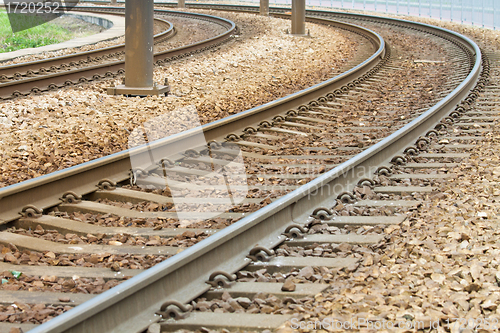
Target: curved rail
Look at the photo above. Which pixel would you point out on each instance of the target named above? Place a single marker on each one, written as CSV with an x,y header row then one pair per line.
x,y
117,168
179,278
16,70
112,69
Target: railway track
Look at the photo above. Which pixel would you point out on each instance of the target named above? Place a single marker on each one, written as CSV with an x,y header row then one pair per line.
x,y
357,179
54,73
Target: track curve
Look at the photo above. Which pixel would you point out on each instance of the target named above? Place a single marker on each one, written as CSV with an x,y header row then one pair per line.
x,y
226,251
52,81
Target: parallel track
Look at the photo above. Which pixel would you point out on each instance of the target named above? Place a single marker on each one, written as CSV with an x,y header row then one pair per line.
x,y
182,277
56,73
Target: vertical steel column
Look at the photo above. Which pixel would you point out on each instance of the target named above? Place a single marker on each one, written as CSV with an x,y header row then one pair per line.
x,y
408,6
139,18
472,17
298,17
440,9
494,16
139,43
451,11
264,7
461,11
482,14
181,3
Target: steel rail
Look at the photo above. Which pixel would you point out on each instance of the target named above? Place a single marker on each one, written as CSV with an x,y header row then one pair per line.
x,y
179,278
68,60
46,191
57,80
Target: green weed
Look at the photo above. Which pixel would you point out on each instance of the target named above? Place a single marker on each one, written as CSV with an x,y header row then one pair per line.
x,y
44,34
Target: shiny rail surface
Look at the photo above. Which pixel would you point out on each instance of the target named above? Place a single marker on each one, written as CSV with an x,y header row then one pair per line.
x,y
133,304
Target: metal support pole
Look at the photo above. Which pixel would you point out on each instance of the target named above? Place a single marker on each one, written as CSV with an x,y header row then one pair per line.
x,y
264,7
482,14
139,51
181,3
298,17
472,16
451,11
139,43
494,17
461,11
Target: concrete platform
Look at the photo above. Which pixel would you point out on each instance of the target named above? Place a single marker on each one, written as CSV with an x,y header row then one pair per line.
x,y
115,28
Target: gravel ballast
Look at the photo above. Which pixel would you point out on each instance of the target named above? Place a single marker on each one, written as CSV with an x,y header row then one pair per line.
x,y
49,132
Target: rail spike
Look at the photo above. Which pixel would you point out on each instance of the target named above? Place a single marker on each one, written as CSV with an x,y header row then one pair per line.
x,y
278,119
215,145
233,137
384,171
31,211
422,143
175,310
366,182
191,153
260,253
106,185
398,160
431,133
166,163
441,126
295,231
346,197
265,124
412,151
322,213
250,130
221,279
71,197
